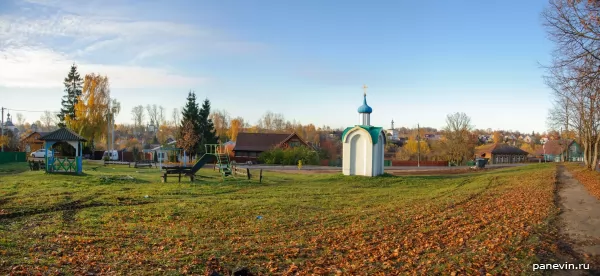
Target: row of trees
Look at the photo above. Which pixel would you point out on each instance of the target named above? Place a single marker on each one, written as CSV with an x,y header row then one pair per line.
x,y
573,75
457,144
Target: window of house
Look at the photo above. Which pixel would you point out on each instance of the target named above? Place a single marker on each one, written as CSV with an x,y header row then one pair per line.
x,y
238,154
294,144
252,154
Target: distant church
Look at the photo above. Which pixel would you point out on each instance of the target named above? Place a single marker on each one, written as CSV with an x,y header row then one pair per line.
x,y
363,145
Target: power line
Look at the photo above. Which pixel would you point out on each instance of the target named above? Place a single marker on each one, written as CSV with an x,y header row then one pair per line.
x,y
22,110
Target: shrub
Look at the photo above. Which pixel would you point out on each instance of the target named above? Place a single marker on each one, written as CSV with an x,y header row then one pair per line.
x,y
290,156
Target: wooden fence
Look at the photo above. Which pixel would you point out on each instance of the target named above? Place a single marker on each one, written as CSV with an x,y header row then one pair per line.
x,y
246,172
414,163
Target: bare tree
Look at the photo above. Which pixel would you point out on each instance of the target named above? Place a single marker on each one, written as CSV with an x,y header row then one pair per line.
x,y
138,116
574,27
20,120
47,120
153,114
266,121
221,121
278,122
176,117
161,115
271,122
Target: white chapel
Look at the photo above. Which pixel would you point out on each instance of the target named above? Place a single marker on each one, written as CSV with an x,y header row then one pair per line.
x,y
363,145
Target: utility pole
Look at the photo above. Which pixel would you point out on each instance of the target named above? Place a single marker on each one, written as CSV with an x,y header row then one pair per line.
x,y
112,125
108,129
2,126
418,146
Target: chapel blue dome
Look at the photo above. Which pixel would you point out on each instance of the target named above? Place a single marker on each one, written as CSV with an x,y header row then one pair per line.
x,y
364,108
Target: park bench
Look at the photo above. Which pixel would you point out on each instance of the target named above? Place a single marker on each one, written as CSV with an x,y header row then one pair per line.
x,y
36,165
185,171
108,162
144,163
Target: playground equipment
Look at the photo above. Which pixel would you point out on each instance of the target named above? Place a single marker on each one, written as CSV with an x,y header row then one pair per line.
x,y
223,162
212,152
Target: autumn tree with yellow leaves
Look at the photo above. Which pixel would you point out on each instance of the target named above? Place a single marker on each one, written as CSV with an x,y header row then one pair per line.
x,y
497,137
4,140
235,126
92,109
410,150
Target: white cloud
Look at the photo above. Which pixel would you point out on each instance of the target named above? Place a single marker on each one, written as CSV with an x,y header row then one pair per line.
x,y
37,46
43,68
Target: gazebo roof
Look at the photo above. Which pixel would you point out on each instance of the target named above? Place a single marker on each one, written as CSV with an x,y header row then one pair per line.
x,y
62,134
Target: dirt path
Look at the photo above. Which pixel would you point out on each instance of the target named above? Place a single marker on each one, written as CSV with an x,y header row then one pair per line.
x,y
579,224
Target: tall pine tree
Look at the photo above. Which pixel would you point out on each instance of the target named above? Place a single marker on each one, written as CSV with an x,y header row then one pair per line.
x,y
73,87
191,113
208,134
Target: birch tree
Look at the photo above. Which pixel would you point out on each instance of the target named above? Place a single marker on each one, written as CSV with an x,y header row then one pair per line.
x,y
92,108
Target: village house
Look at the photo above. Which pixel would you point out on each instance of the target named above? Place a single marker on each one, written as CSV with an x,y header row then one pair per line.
x,y
501,153
32,142
558,150
432,136
249,146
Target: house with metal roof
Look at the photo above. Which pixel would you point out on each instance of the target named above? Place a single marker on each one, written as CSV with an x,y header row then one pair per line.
x,y
499,153
249,146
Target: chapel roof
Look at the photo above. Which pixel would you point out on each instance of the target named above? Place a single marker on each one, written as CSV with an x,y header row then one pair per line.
x,y
373,131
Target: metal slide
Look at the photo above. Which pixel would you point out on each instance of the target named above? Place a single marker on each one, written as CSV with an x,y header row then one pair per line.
x,y
201,162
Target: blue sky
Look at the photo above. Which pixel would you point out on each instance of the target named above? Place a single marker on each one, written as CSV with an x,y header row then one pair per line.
x,y
305,59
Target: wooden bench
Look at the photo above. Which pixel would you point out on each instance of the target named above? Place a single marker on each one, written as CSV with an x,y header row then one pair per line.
x,y
144,163
107,162
185,171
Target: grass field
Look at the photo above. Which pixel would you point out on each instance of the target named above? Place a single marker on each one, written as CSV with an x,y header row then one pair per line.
x,y
492,222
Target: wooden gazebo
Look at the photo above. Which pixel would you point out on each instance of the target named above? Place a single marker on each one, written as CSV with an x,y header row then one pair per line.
x,y
64,164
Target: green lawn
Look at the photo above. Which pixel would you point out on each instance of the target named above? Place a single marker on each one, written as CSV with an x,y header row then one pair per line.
x,y
306,224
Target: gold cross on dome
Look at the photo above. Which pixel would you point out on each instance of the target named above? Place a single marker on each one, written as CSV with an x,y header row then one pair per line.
x,y
365,88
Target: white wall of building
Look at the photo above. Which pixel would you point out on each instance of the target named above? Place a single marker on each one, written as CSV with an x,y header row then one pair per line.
x,y
360,155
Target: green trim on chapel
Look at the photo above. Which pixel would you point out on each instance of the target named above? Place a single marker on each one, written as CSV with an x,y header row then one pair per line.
x,y
373,131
